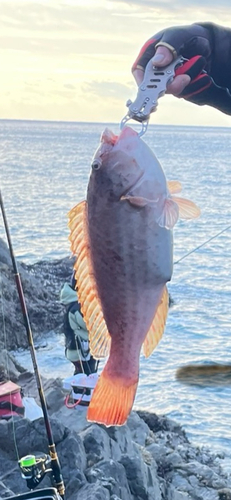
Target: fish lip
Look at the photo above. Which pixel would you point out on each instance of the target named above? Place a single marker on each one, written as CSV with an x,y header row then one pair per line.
x,y
132,185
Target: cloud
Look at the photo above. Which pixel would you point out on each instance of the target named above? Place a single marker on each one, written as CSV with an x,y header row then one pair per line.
x,y
178,5
59,16
59,28
108,90
71,59
36,15
69,86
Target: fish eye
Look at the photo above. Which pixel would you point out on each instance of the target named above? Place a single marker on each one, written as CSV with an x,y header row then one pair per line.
x,y
96,164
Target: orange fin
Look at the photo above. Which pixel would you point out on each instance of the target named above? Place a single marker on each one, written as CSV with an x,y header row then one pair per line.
x,y
174,187
99,337
187,209
169,215
157,327
112,400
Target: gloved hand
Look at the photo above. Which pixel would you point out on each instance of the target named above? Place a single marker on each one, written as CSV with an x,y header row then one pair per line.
x,y
205,78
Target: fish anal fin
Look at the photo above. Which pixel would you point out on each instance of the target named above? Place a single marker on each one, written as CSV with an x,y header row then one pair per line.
x,y
112,400
156,329
187,209
99,337
174,187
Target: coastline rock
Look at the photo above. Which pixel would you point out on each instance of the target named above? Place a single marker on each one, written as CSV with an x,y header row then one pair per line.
x,y
149,458
41,283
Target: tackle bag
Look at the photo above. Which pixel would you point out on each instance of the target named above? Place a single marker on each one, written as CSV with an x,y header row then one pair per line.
x,y
10,400
81,387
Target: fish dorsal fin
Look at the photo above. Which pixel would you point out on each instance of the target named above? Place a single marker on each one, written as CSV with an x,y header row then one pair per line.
x,y
174,187
156,329
187,209
99,337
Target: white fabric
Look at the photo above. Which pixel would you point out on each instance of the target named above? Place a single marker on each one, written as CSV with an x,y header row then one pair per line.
x,y
32,410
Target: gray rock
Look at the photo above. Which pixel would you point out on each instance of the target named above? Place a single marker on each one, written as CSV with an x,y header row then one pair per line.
x,y
138,428
5,492
92,492
5,257
142,479
29,436
41,283
112,476
73,463
96,443
74,484
173,494
123,437
72,454
131,462
9,368
224,494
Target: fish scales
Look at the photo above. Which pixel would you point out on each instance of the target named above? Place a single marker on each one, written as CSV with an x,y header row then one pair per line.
x,y
125,265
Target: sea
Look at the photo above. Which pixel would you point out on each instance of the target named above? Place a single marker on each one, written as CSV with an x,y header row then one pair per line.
x,y
44,173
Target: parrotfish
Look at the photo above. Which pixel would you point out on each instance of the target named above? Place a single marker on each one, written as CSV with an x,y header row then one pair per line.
x,y
122,238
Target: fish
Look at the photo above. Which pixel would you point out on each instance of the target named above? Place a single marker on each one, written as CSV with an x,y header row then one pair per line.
x,y
122,238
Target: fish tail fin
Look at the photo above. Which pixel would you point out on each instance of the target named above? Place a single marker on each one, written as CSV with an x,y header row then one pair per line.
x,y
112,400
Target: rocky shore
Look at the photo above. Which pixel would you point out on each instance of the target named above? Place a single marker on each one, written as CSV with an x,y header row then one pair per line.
x,y
41,284
149,458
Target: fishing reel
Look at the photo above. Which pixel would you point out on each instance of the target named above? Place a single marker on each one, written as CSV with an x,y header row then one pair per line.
x,y
33,468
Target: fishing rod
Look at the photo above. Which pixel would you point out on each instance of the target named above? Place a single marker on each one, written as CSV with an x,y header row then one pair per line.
x,y
32,468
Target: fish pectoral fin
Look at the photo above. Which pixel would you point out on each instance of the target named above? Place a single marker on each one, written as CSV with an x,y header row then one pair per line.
x,y
99,337
169,214
187,209
174,187
137,201
156,329
112,400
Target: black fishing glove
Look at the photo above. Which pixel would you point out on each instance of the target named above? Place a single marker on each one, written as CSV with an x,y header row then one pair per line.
x,y
207,48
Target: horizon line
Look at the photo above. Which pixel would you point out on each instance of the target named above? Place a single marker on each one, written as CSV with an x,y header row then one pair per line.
x,y
110,123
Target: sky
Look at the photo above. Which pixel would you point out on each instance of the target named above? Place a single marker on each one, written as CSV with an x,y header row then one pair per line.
x,y
70,60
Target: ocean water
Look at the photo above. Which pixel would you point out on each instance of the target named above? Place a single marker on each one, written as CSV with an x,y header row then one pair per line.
x,y
44,172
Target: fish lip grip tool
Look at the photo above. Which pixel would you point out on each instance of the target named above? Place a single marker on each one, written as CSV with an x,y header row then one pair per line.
x,y
153,86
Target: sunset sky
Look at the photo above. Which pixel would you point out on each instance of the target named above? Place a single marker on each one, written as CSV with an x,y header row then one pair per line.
x,y
71,59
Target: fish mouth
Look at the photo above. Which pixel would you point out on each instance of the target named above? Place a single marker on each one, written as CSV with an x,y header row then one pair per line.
x,y
108,137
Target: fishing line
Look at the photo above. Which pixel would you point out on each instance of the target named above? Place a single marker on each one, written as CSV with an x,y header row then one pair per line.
x,y
4,326
202,245
196,375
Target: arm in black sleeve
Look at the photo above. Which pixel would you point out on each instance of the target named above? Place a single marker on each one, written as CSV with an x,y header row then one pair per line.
x,y
187,41
208,40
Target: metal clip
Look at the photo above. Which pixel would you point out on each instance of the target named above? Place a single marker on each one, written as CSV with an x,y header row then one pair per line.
x,y
153,86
